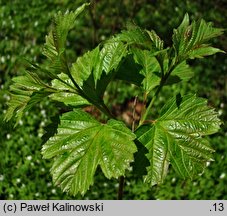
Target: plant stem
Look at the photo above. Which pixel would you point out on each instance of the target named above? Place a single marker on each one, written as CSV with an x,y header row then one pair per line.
x,y
121,187
133,114
122,179
107,111
144,116
144,104
162,83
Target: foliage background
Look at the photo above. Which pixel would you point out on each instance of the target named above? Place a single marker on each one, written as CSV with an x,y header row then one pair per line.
x,y
23,26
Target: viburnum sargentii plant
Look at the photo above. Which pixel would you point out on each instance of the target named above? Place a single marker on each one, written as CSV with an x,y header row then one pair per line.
x,y
82,143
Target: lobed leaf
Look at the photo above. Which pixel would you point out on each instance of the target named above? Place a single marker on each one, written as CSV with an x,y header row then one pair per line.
x,y
81,144
177,138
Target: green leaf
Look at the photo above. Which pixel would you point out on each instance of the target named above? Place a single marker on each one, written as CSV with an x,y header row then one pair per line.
x,y
129,71
54,48
160,53
157,42
28,90
84,65
181,72
140,162
150,68
190,41
81,144
24,93
202,31
95,69
202,51
95,62
56,61
82,72
66,93
156,141
63,23
111,56
16,106
179,35
177,138
134,35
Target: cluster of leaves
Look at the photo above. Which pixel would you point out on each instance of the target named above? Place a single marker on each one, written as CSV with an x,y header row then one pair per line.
x,y
137,56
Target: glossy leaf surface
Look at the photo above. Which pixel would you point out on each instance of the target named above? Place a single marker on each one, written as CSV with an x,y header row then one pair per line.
x,y
81,144
182,72
150,68
54,48
95,69
177,138
135,36
78,143
98,61
66,92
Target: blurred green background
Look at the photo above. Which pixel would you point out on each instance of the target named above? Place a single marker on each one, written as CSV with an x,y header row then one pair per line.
x,y
23,26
